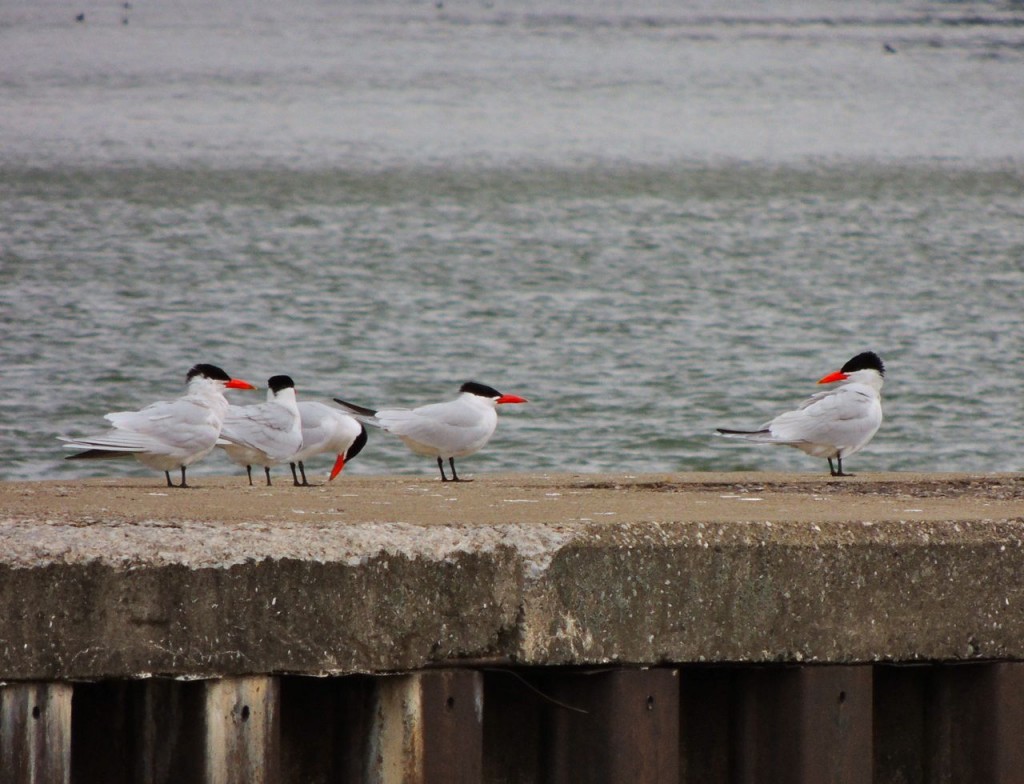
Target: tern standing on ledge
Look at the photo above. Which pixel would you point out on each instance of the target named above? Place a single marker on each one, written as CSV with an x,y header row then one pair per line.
x,y
456,428
266,433
169,434
832,424
326,429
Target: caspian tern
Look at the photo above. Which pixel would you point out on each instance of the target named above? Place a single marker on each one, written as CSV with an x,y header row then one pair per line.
x,y
456,428
326,429
266,433
832,424
168,434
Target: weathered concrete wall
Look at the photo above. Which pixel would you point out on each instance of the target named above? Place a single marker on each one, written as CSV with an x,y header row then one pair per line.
x,y
625,571
757,592
95,620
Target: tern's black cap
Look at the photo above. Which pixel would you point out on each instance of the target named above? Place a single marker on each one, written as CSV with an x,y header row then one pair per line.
x,y
277,383
211,372
482,390
868,360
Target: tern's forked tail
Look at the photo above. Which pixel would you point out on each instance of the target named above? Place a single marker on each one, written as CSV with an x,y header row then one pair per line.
x,y
764,435
367,415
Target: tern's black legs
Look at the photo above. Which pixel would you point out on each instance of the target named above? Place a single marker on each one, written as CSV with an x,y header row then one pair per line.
x,y
171,484
248,471
455,476
295,478
832,469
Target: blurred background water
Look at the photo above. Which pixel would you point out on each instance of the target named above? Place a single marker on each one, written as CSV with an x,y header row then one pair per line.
x,y
649,218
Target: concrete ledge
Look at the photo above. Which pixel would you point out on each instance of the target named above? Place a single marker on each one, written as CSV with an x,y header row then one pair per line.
x,y
116,578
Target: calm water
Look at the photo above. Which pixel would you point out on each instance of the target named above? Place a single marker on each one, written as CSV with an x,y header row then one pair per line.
x,y
651,220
